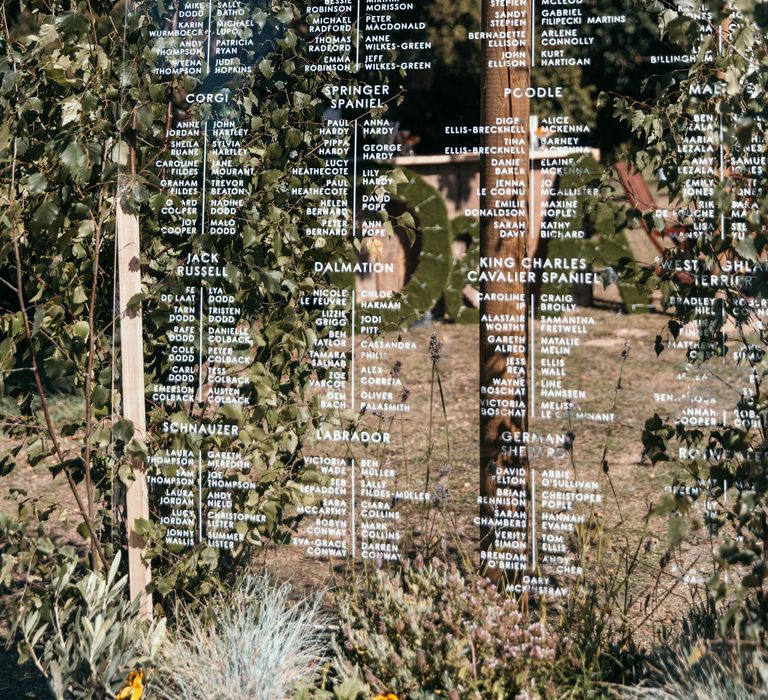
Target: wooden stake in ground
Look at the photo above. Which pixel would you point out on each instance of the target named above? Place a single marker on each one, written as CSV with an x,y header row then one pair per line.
x,y
132,365
504,290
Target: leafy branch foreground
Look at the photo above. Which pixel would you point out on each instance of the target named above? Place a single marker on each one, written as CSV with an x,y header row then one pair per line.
x,y
426,631
65,68
86,637
711,277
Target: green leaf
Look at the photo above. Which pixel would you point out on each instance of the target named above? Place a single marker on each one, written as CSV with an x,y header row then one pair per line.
x,y
293,138
301,100
123,430
34,104
274,151
74,156
144,118
677,529
70,110
59,76
36,184
232,412
746,248
38,319
265,66
72,23
86,228
137,448
142,527
100,396
81,329
45,216
134,303
665,505
82,530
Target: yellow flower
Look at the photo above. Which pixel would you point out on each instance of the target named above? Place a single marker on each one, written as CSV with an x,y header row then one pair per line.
x,y
388,696
697,653
134,688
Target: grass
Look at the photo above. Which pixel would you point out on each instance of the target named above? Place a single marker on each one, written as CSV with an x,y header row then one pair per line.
x,y
252,643
700,674
419,441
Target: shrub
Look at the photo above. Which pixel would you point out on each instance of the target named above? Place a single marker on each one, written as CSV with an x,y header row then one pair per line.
x,y
252,643
719,497
699,673
429,630
81,631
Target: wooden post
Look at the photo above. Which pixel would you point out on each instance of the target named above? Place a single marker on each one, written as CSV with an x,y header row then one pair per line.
x,y
132,366
504,288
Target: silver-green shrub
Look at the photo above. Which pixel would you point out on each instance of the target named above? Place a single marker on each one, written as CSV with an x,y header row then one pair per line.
x,y
707,674
251,643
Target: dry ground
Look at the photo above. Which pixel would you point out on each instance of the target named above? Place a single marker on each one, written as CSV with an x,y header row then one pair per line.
x,y
633,486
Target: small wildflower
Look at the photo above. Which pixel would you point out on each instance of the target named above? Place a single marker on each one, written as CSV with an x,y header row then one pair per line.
x,y
625,351
396,369
570,437
435,348
404,394
440,496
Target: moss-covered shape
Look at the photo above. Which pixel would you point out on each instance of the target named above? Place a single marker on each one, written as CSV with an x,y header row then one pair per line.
x,y
433,232
464,229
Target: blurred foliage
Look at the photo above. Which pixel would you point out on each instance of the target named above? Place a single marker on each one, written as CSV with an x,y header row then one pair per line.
x,y
713,283
63,140
76,625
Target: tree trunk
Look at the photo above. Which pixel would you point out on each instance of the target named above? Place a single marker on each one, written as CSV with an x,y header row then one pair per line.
x,y
504,240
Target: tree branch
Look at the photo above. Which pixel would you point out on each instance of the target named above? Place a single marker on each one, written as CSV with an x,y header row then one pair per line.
x,y
85,513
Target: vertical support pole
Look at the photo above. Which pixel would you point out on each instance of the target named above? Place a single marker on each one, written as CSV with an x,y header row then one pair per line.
x,y
132,373
504,284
